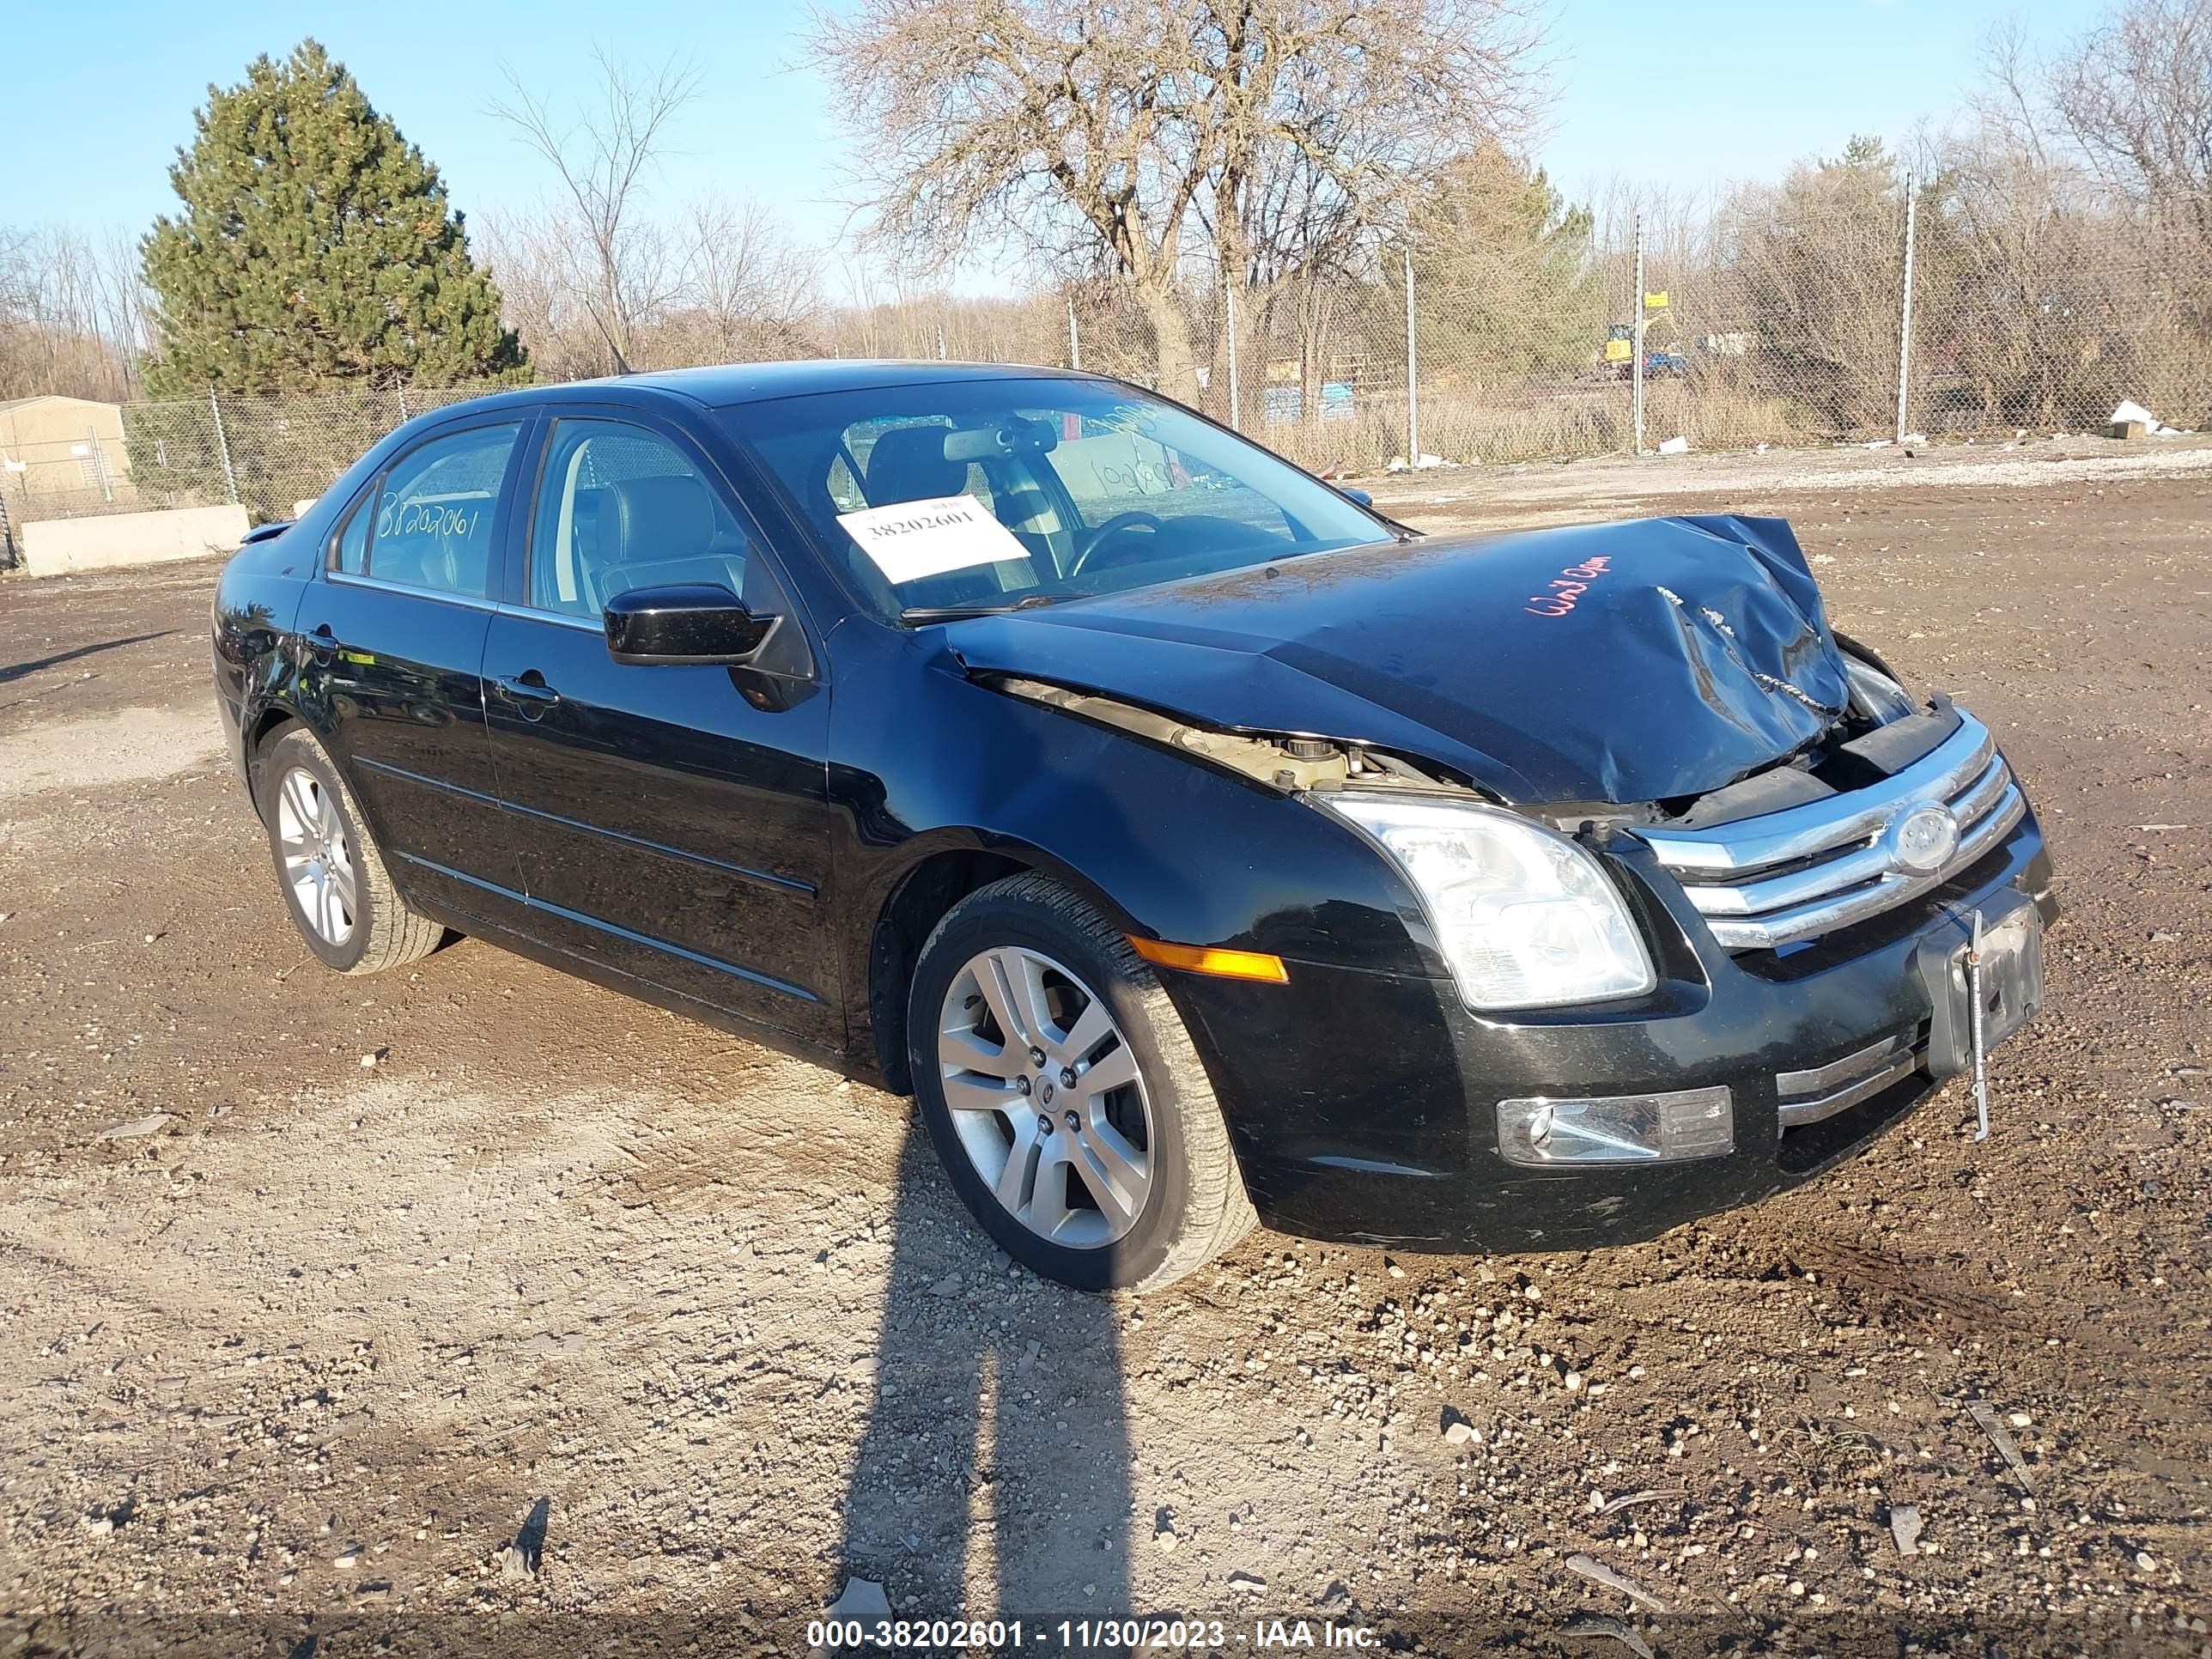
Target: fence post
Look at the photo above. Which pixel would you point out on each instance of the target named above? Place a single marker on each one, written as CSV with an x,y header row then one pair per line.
x,y
1904,319
222,448
940,343
1638,372
1074,340
99,465
404,414
7,530
1229,320
1413,378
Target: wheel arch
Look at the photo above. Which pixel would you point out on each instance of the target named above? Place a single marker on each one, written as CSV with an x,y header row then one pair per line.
x,y
903,916
267,724
263,728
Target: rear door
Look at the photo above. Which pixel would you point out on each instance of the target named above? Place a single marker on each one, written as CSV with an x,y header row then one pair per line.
x,y
395,636
676,821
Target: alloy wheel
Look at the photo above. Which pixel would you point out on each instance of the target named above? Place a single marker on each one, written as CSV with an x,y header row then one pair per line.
x,y
318,862
1044,1094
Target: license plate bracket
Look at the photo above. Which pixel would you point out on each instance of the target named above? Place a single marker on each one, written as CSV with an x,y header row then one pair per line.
x,y
2011,982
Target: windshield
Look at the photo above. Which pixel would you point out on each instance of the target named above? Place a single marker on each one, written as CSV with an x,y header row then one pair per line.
x,y
985,495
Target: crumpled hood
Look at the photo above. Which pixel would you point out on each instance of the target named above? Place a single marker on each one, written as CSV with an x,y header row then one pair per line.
x,y
1620,662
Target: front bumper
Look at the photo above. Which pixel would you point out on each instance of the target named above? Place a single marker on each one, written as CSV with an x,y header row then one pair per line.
x,y
1363,1105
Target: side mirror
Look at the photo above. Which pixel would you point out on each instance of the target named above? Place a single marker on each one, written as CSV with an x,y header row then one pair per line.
x,y
1359,495
649,626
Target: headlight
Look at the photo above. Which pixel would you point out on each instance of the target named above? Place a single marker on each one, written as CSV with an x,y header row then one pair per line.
x,y
1525,917
1879,697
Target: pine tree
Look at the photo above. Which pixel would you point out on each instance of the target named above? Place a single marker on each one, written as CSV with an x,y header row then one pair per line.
x,y
1503,261
315,247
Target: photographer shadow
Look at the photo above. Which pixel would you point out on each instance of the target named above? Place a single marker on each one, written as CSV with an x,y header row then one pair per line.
x,y
994,1480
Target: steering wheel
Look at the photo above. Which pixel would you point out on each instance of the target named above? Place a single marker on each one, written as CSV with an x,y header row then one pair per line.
x,y
1116,525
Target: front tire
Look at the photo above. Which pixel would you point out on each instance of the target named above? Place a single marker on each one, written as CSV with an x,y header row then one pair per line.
x,y
328,864
1064,1095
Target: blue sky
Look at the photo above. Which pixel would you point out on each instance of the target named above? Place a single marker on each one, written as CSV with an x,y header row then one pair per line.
x,y
1707,91
1694,92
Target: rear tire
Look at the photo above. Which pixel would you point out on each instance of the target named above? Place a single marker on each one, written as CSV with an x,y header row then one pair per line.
x,y
1106,1166
329,867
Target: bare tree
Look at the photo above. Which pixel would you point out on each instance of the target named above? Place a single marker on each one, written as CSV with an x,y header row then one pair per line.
x,y
2136,96
602,160
123,304
16,304
2069,266
544,289
72,313
724,281
1810,264
748,290
1131,134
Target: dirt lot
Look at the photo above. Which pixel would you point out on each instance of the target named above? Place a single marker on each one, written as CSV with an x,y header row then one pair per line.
x,y
295,1343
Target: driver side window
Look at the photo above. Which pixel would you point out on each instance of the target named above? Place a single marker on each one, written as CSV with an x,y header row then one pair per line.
x,y
621,507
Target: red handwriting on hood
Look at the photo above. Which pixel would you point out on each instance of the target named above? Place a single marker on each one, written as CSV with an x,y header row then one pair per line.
x,y
1567,586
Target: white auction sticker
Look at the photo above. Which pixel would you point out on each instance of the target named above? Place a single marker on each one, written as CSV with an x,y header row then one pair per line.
x,y
915,539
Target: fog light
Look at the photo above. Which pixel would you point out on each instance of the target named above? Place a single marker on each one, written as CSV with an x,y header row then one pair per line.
x,y
1618,1128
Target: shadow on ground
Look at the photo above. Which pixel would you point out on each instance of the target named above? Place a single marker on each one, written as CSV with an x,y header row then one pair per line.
x,y
993,1479
17,671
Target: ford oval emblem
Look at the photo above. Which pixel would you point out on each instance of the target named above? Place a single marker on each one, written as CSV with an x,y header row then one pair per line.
x,y
1923,841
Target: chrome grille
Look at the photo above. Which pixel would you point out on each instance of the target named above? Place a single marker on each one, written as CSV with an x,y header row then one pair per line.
x,y
1808,869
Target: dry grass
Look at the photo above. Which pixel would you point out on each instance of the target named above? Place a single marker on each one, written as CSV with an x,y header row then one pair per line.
x,y
1574,418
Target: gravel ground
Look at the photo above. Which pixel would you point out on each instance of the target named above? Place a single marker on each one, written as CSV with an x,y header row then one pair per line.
x,y
475,1308
1547,492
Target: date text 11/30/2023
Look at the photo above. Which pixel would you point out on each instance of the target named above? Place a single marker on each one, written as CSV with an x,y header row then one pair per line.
x,y
1084,1635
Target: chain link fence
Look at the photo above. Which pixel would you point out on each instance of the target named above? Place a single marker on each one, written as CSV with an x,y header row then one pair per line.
x,y
1766,321
267,454
66,475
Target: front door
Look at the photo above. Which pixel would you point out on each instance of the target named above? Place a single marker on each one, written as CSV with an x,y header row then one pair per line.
x,y
671,822
394,633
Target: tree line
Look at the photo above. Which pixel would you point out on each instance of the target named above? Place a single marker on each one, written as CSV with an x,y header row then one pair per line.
x,y
1182,177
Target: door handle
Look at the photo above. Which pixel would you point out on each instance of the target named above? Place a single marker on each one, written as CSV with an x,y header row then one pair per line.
x,y
322,645
528,692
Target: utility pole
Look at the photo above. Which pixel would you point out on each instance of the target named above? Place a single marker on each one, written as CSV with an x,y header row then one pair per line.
x,y
1638,368
1229,316
1904,321
1074,340
222,448
1412,380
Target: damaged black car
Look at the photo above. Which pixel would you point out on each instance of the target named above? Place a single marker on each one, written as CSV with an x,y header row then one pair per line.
x,y
1199,848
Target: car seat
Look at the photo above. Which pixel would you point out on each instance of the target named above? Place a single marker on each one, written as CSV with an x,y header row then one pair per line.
x,y
657,531
908,464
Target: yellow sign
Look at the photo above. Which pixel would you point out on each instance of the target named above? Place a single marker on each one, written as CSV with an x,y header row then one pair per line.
x,y
1657,302
1617,351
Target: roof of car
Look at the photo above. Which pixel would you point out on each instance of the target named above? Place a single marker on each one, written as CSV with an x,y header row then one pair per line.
x,y
745,383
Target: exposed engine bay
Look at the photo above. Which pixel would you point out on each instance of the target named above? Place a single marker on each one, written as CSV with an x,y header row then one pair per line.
x,y
1879,735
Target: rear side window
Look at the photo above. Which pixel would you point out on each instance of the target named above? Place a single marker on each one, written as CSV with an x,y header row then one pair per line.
x,y
430,522
349,548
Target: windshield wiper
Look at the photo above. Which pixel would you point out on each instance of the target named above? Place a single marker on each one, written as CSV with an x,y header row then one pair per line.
x,y
918,614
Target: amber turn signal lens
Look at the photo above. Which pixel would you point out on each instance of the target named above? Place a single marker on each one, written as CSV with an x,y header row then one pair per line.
x,y
1205,959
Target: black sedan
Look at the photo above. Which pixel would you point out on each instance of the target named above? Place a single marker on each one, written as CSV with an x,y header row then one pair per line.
x,y
1195,845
